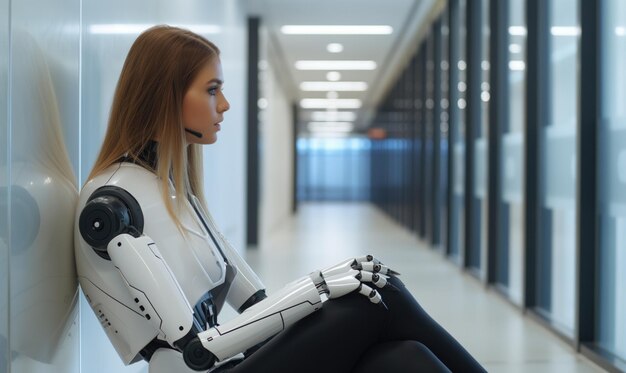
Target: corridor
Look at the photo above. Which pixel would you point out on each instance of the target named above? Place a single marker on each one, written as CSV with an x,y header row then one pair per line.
x,y
498,335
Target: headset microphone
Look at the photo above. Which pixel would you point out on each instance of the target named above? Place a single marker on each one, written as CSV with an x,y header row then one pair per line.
x,y
195,133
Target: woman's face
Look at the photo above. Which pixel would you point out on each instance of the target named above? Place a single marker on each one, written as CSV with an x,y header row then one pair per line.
x,y
204,105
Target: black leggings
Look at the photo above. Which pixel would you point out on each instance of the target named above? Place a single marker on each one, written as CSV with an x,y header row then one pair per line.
x,y
350,334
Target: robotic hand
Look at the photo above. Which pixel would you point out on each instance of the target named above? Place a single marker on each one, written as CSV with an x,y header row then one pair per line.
x,y
351,275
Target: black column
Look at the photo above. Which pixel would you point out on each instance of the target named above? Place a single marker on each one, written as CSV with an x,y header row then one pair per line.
x,y
252,203
294,118
498,118
537,106
473,122
436,123
587,216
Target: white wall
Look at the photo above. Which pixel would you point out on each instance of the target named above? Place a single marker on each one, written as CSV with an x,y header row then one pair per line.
x,y
225,161
276,144
57,79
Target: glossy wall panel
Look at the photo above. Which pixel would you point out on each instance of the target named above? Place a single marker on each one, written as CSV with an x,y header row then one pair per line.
x,y
4,190
43,157
511,248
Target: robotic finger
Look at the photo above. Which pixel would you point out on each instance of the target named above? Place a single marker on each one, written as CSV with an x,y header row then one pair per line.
x,y
379,280
374,267
372,295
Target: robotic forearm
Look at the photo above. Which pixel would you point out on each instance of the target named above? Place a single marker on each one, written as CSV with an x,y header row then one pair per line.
x,y
291,303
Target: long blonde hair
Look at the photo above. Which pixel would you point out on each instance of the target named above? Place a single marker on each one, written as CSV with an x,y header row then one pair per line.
x,y
160,66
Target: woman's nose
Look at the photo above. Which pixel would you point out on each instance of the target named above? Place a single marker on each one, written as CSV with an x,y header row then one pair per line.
x,y
225,106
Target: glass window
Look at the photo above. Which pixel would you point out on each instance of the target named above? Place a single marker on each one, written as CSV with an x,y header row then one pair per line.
x,y
510,258
556,265
611,319
479,246
443,126
458,84
417,137
333,169
428,134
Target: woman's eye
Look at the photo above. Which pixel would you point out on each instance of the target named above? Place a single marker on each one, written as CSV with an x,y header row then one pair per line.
x,y
213,91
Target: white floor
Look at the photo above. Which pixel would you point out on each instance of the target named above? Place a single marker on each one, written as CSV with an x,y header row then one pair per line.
x,y
497,334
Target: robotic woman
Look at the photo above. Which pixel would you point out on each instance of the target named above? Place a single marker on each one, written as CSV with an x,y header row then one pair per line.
x,y
157,271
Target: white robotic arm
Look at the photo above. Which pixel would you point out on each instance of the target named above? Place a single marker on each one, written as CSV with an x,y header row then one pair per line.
x,y
159,298
291,303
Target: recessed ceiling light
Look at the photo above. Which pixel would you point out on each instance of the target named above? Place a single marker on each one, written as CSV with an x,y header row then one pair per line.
x,y
517,65
517,30
336,29
565,30
333,76
321,116
334,48
137,28
323,103
335,65
333,86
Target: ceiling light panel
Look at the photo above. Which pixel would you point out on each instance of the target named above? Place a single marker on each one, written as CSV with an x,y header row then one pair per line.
x,y
333,86
336,30
322,103
335,65
333,116
334,48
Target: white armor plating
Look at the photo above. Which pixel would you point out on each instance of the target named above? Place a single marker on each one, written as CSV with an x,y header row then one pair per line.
x,y
134,257
146,288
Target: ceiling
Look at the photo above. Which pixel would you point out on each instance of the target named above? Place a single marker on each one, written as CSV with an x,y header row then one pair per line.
x,y
390,52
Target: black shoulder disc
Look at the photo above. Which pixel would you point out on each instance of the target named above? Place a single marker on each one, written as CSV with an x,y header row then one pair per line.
x,y
109,211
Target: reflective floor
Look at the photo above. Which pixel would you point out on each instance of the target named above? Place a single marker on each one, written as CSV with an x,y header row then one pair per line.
x,y
497,334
